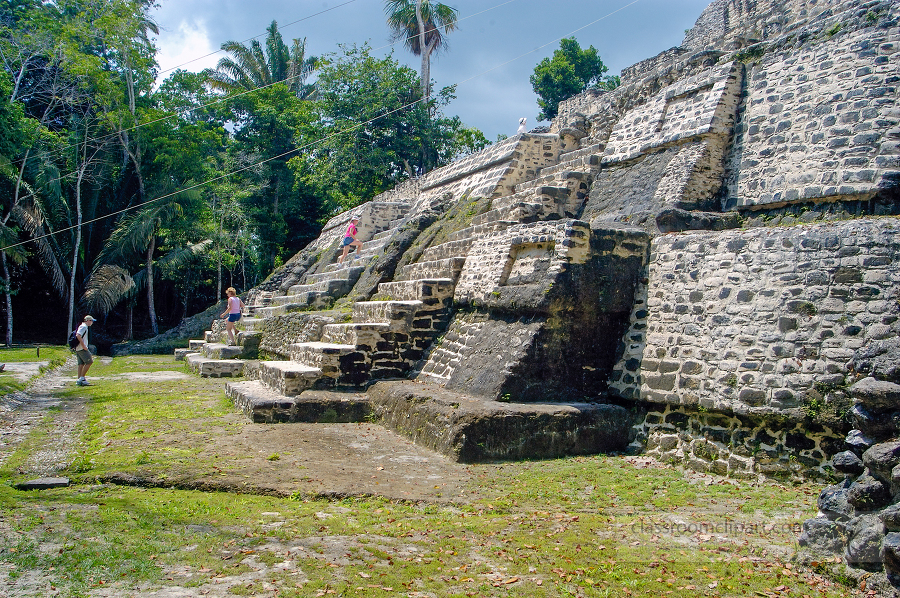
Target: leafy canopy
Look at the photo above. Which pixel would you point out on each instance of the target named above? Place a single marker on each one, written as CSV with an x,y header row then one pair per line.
x,y
569,72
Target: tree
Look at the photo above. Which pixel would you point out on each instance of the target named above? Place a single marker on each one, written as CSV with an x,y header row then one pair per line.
x,y
138,234
570,72
372,133
251,68
418,23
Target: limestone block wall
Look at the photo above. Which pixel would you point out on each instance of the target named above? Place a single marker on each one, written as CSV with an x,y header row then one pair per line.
x,y
619,194
495,171
543,308
737,446
669,151
747,322
700,105
726,22
279,332
525,254
819,123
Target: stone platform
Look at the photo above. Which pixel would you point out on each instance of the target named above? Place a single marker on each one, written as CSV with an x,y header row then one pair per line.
x,y
471,430
465,428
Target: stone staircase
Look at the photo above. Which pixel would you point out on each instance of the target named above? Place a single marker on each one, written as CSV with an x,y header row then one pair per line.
x,y
386,338
384,341
213,357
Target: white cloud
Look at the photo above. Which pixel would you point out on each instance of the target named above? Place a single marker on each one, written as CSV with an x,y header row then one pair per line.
x,y
188,47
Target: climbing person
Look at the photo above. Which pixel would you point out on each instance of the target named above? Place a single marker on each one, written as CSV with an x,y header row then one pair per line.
x,y
233,310
82,353
522,122
350,239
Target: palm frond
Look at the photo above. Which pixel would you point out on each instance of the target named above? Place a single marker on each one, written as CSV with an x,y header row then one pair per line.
x,y
9,236
29,217
106,287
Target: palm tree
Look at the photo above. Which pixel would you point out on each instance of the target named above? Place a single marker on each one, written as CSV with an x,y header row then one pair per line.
x,y
252,67
418,23
135,235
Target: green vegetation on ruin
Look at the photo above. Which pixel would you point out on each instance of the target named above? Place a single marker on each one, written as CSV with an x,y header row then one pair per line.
x,y
585,526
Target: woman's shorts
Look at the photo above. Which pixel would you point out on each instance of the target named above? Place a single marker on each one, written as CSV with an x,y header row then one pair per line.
x,y
234,317
83,357
347,241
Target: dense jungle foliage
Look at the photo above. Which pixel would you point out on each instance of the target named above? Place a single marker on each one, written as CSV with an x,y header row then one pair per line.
x,y
139,196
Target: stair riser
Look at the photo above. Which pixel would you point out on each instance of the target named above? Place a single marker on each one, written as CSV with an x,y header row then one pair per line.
x,y
287,383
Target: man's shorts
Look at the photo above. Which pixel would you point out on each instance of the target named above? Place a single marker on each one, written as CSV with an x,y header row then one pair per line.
x,y
84,357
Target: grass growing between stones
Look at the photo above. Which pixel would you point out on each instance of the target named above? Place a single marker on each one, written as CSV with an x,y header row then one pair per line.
x,y
585,526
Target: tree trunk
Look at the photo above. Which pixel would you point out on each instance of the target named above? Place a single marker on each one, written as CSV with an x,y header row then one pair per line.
x,y
129,321
76,247
151,306
219,256
8,293
8,290
425,72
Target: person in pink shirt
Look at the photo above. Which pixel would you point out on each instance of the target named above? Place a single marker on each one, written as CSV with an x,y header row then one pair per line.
x,y
350,239
233,310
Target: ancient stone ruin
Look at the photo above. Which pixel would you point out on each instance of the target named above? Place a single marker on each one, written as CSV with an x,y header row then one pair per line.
x,y
701,265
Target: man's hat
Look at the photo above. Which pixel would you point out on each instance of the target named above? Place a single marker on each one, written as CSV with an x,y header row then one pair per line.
x,y
88,319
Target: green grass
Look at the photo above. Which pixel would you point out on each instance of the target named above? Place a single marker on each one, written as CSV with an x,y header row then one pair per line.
x,y
585,526
53,356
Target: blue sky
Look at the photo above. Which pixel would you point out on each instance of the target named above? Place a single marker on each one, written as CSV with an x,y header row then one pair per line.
x,y
490,56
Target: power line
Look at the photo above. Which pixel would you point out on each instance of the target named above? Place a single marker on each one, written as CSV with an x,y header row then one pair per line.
x,y
242,93
312,143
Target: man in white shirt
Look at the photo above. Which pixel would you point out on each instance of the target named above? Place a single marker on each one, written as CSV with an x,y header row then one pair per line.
x,y
82,353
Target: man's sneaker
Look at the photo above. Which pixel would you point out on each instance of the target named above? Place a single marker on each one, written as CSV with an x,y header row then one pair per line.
x,y
80,382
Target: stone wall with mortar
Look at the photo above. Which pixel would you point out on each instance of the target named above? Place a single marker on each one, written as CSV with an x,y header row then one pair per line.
x,y
746,321
669,152
737,446
816,123
280,332
736,23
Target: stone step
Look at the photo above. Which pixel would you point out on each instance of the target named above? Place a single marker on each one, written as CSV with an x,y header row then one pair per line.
x,y
195,344
521,211
434,293
470,433
249,323
396,315
350,271
333,285
570,179
481,229
247,339
445,268
447,250
288,378
385,234
581,152
328,357
266,406
374,246
214,368
363,335
181,354
398,222
221,351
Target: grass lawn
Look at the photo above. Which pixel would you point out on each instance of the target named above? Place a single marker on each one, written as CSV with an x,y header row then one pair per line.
x,y
52,356
585,526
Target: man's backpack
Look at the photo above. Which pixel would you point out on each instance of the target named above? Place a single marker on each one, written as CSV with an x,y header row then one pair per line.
x,y
73,339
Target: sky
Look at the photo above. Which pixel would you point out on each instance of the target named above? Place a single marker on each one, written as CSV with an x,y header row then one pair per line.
x,y
490,56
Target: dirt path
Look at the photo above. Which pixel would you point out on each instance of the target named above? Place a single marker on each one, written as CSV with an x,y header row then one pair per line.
x,y
309,459
21,412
